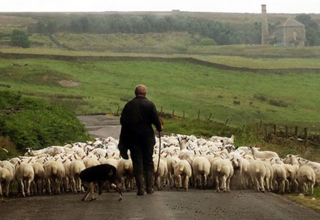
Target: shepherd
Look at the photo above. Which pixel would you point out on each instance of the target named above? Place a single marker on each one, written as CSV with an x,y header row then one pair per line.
x,y
137,135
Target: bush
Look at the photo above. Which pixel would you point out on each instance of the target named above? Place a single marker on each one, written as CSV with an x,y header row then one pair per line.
x,y
32,123
20,38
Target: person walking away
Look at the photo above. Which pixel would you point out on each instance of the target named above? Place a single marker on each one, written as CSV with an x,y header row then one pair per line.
x,y
137,134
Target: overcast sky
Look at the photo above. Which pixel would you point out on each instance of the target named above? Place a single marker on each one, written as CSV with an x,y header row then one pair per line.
x,y
241,6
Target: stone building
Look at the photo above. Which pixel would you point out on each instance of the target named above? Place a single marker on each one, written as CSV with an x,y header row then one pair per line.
x,y
290,33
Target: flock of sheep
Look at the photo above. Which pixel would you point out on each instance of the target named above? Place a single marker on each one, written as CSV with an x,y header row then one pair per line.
x,y
180,161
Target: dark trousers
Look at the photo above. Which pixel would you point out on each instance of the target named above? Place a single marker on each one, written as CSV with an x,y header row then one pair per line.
x,y
141,155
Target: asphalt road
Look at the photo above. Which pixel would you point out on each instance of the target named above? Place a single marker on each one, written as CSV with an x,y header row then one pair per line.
x,y
166,204
102,126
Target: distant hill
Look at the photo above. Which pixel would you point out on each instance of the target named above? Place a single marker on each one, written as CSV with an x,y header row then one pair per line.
x,y
78,31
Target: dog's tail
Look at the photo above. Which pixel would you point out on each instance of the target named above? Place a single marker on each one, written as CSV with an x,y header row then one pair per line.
x,y
117,189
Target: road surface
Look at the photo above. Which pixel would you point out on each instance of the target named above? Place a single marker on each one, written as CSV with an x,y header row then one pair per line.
x,y
168,204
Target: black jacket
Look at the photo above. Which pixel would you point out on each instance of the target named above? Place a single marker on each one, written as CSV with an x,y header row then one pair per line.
x,y
137,118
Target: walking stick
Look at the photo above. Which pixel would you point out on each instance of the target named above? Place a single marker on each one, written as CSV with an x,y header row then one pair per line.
x,y
159,135
157,174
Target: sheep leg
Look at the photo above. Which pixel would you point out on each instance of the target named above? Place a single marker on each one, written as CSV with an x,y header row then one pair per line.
x,y
73,185
262,184
217,184
257,184
186,183
171,180
78,184
58,185
178,184
268,184
49,186
28,187
312,188
22,188
39,186
7,189
1,194
224,183
228,184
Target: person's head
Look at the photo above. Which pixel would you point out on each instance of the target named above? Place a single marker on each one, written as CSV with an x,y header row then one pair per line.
x,y
140,90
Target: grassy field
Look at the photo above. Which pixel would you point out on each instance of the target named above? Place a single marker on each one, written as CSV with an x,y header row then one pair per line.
x,y
185,88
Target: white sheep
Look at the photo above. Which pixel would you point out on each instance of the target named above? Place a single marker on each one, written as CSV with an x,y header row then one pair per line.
x,y
125,174
314,165
112,161
306,179
280,182
292,171
38,180
182,174
24,176
263,154
11,168
268,179
171,162
258,173
75,168
222,171
201,170
54,174
291,159
66,180
91,161
5,180
160,173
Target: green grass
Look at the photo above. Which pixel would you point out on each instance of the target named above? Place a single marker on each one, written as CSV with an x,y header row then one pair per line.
x,y
309,201
186,88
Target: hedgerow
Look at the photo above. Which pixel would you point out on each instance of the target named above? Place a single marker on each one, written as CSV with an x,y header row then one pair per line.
x,y
29,122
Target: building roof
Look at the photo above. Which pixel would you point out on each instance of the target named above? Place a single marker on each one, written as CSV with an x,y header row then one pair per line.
x,y
290,22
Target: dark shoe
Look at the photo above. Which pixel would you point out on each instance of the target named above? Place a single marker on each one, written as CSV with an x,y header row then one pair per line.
x,y
149,182
150,190
140,184
140,192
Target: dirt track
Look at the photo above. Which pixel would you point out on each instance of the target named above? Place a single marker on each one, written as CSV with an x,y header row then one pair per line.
x,y
166,204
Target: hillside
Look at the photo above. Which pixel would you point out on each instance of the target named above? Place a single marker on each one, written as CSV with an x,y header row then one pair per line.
x,y
158,32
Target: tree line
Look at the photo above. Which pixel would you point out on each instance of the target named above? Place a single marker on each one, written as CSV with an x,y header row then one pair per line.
x,y
215,32
219,33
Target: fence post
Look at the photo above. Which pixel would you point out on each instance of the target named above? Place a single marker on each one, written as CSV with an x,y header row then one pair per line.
x,y
265,130
296,132
161,110
306,141
275,129
286,131
118,110
227,121
209,116
173,112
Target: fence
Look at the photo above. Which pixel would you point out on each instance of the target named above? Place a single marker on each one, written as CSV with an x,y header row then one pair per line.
x,y
304,135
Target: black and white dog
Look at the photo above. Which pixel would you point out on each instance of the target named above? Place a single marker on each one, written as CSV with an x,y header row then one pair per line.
x,y
99,174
